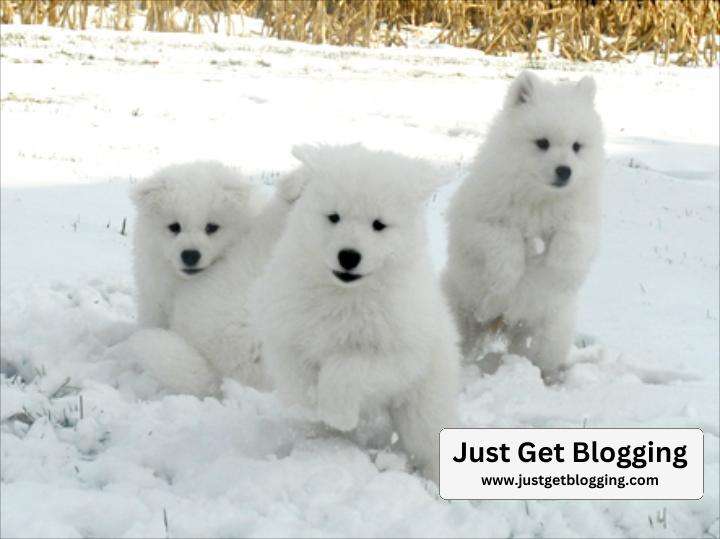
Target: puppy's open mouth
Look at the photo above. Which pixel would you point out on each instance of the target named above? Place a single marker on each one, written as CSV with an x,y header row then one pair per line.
x,y
346,277
192,271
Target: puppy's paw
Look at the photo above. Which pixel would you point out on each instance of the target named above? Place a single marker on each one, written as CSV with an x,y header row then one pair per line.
x,y
554,376
343,416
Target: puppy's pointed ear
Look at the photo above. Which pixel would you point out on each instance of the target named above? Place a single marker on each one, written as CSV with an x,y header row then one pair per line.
x,y
238,192
523,90
146,192
586,86
308,155
291,185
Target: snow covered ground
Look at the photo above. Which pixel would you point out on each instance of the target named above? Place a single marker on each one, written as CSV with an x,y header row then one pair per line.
x,y
85,113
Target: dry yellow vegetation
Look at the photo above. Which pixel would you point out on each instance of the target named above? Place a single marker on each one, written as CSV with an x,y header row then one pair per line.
x,y
684,32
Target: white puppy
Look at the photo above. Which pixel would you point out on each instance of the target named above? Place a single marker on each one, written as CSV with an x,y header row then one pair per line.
x,y
202,236
524,225
350,313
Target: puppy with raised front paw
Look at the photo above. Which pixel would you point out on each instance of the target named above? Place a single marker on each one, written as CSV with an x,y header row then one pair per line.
x,y
203,234
524,225
349,310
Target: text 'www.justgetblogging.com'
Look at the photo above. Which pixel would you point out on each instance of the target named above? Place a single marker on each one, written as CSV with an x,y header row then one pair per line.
x,y
568,480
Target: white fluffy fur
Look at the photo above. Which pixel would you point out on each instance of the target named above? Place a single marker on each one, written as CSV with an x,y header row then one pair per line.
x,y
159,352
207,309
386,339
519,247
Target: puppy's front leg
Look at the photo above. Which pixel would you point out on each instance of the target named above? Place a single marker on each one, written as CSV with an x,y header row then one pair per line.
x,y
338,394
568,259
497,268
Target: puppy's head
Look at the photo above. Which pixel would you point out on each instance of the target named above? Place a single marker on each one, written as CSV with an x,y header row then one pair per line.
x,y
193,212
360,214
552,132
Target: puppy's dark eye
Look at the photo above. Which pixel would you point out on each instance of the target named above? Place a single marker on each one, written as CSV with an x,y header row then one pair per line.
x,y
334,218
211,228
378,225
174,228
542,143
576,147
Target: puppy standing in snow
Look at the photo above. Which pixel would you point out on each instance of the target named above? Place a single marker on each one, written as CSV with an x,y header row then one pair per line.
x,y
202,236
524,225
349,311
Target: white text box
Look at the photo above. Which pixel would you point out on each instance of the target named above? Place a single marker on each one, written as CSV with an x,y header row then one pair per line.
x,y
571,464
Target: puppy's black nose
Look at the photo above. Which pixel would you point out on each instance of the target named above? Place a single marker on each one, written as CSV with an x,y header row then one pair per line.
x,y
190,257
562,175
349,259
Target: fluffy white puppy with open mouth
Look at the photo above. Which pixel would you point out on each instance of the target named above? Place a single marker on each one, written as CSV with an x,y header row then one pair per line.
x,y
349,311
202,236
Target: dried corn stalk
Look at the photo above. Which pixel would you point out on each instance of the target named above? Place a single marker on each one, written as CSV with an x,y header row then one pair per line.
x,y
685,32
